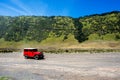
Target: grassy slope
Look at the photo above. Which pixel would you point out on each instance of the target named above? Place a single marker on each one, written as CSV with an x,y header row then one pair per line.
x,y
58,43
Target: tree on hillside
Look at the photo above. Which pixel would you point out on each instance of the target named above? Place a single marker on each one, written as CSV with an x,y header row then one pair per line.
x,y
79,35
39,28
4,23
63,26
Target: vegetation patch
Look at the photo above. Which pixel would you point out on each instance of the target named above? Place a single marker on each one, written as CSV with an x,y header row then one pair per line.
x,y
57,51
6,78
8,50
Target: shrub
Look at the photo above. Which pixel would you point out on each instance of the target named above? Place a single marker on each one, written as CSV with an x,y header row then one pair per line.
x,y
93,37
118,36
111,36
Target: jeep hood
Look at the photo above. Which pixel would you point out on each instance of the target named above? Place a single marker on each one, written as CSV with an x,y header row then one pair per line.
x,y
38,53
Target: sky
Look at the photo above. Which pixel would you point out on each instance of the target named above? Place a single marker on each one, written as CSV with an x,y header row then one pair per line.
x,y
72,8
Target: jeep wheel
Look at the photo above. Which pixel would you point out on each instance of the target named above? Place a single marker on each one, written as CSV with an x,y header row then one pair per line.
x,y
36,57
42,57
26,57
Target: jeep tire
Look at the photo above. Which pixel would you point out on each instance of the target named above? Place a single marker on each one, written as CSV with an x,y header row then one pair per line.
x,y
41,56
26,57
36,57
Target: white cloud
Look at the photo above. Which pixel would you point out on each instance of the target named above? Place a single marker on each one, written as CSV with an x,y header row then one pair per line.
x,y
22,6
12,8
36,8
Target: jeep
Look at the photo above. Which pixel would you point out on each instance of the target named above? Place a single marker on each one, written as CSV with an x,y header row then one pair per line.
x,y
32,53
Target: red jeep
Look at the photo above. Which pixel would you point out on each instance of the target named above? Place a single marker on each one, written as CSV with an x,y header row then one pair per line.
x,y
32,53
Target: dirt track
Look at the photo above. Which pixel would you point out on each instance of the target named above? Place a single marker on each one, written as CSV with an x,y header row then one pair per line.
x,y
61,67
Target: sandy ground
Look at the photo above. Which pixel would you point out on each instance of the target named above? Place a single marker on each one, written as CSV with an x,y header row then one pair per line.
x,y
79,66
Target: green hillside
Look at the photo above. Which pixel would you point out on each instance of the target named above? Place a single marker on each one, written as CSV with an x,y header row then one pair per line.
x,y
60,31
